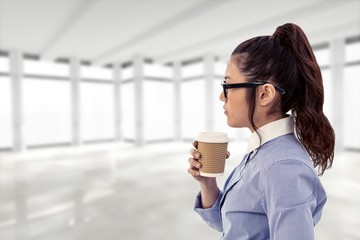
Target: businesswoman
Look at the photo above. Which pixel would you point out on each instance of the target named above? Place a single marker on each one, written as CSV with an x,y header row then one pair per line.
x,y
273,86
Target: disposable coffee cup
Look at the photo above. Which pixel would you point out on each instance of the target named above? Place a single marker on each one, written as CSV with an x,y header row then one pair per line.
x,y
213,149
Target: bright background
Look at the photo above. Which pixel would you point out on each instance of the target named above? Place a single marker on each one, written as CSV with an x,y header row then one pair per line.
x,y
100,100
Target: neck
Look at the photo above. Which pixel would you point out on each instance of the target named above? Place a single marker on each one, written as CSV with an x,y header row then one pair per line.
x,y
261,121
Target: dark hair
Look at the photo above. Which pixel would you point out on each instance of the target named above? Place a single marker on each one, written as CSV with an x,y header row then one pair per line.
x,y
286,59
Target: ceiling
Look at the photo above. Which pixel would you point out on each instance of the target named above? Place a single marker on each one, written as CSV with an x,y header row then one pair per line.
x,y
108,31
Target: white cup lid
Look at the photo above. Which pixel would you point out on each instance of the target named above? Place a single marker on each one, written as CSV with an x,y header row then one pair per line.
x,y
212,137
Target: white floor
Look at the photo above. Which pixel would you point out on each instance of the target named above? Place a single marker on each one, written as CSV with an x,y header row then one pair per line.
x,y
122,192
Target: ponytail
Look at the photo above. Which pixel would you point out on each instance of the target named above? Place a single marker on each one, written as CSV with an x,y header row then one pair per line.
x,y
312,127
286,58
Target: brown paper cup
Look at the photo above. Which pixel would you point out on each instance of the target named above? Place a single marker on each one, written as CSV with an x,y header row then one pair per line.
x,y
213,149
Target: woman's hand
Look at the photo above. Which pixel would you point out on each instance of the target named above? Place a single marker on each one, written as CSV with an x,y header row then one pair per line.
x,y
208,186
195,165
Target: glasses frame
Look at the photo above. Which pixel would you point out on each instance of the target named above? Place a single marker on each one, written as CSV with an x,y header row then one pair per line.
x,y
227,86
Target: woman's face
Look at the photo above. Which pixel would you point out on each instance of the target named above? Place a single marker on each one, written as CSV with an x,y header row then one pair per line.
x,y
235,106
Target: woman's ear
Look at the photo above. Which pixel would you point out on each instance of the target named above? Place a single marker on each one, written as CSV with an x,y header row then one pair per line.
x,y
266,94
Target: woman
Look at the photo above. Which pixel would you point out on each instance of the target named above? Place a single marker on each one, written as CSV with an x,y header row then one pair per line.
x,y
274,192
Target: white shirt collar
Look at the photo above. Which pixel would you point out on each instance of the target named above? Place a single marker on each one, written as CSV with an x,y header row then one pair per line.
x,y
270,131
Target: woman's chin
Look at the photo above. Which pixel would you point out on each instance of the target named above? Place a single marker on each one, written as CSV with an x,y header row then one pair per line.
x,y
231,123
234,124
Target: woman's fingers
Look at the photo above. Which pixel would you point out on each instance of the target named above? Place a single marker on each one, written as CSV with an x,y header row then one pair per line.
x,y
194,171
194,163
195,153
194,167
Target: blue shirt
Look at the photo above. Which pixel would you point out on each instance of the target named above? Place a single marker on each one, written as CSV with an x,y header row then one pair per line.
x,y
276,195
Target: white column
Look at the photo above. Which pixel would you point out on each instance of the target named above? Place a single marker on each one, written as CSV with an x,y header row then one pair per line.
x,y
16,76
177,99
209,70
337,64
75,100
117,99
138,65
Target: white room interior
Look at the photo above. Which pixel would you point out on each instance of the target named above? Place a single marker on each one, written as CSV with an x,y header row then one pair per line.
x,y
100,100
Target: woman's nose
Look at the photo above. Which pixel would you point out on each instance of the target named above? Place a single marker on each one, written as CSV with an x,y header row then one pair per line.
x,y
222,96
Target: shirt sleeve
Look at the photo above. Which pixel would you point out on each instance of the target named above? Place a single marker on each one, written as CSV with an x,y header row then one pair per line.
x,y
289,201
212,215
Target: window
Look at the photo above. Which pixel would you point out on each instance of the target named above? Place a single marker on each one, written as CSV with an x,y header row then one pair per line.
x,y
158,110
220,68
193,108
127,106
193,70
157,71
6,126
97,111
98,73
351,95
352,52
322,54
4,64
328,89
35,67
46,112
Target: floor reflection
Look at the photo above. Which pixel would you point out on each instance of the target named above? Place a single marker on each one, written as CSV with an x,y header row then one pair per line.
x,y
123,192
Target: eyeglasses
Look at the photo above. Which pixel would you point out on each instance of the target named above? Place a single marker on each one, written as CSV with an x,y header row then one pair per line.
x,y
248,85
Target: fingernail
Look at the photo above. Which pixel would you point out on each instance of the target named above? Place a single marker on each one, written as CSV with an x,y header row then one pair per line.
x,y
197,155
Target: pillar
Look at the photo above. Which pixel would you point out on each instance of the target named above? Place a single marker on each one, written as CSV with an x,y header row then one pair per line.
x,y
16,76
75,100
209,74
177,99
117,99
138,67
337,64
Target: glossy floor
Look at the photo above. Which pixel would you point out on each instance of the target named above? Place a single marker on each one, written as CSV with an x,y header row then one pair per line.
x,y
122,192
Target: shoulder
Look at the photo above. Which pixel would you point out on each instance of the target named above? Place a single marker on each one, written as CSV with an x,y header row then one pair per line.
x,y
288,171
285,149
285,161
287,183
